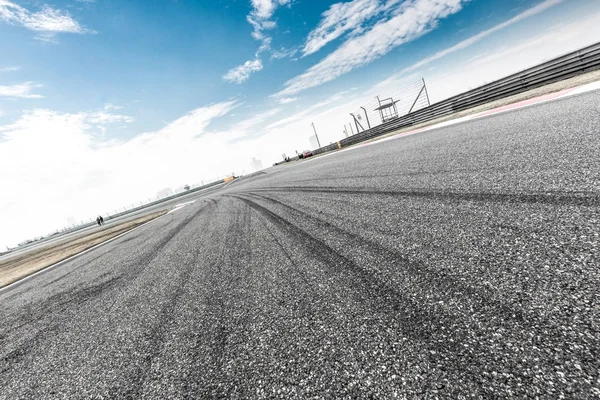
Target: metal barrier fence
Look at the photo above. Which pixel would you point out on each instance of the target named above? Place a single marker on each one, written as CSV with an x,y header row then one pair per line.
x,y
560,68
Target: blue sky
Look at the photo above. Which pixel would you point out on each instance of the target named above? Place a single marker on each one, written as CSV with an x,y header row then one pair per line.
x,y
104,103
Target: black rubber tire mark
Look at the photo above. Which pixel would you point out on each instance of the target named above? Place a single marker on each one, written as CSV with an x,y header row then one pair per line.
x,y
156,334
528,320
288,256
60,301
421,324
221,286
557,198
443,282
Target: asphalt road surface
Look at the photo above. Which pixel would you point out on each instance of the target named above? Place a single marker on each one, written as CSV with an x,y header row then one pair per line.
x,y
460,262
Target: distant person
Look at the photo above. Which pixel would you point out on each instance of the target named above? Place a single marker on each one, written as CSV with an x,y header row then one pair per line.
x,y
98,221
101,219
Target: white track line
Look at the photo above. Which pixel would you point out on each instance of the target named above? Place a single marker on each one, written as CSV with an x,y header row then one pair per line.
x,y
180,206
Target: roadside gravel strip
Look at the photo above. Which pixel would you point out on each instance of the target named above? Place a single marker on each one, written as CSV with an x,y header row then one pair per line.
x,y
461,262
14,268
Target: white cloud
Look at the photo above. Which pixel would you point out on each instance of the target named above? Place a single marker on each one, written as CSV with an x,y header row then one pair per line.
x,y
46,37
476,38
283,53
256,119
265,45
249,127
58,157
286,100
259,18
262,11
48,20
521,53
335,98
412,20
10,69
22,90
103,118
240,73
110,107
339,19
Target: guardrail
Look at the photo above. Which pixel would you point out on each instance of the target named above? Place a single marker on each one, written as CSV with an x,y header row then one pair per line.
x,y
560,68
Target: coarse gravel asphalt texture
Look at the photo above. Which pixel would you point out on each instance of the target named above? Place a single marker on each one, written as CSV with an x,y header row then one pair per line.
x,y
462,262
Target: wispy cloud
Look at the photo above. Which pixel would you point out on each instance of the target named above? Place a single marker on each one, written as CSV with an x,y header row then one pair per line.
x,y
260,16
257,119
240,73
248,128
47,37
310,110
22,90
260,19
110,107
48,20
286,100
60,157
10,69
283,53
409,21
339,19
476,38
104,118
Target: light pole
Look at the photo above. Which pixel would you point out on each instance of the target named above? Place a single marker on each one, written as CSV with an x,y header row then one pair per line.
x,y
317,136
367,115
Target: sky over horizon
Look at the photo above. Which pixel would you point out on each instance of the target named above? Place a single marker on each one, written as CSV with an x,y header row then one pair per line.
x,y
104,103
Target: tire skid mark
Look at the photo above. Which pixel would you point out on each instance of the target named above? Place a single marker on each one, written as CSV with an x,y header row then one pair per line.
x,y
296,269
18,354
369,289
442,282
238,277
74,270
422,324
225,278
409,173
550,198
167,239
161,336
56,305
516,320
156,335
135,268
46,308
60,302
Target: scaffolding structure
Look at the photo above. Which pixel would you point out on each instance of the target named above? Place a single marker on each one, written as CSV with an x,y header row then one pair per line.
x,y
391,105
